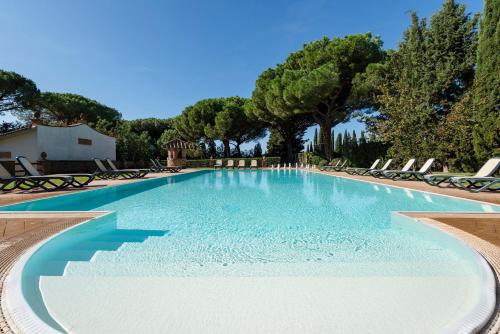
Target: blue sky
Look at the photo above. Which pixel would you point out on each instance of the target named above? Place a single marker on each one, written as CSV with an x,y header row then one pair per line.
x,y
152,58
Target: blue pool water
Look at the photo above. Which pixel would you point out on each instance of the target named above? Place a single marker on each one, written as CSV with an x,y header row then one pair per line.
x,y
246,224
208,222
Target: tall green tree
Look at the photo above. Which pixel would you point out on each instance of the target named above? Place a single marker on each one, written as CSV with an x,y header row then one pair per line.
x,y
257,150
420,83
486,91
277,146
338,144
194,121
17,93
346,144
318,79
233,125
315,141
268,106
211,149
332,144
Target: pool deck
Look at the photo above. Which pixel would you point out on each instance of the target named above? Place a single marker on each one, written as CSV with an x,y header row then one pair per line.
x,y
20,231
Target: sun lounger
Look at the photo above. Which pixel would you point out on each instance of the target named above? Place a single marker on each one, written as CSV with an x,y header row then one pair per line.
x,y
241,164
230,164
54,181
389,174
409,175
253,164
9,182
341,167
107,173
330,165
218,164
47,183
483,180
138,173
378,172
171,169
362,171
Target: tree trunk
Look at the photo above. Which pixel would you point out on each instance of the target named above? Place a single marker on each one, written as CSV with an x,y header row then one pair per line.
x,y
227,149
289,149
326,126
238,150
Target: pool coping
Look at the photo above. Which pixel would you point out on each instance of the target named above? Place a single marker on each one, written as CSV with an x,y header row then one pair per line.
x,y
20,317
485,316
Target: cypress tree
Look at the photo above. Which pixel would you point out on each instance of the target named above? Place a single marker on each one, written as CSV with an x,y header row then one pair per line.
x,y
338,144
354,139
422,81
346,145
333,141
486,96
362,138
314,143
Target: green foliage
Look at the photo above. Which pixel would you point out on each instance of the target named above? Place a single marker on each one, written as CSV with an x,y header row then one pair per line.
x,y
131,146
155,127
417,87
211,149
193,120
269,107
486,91
457,137
70,108
277,146
319,79
221,119
338,144
17,93
233,125
257,150
166,136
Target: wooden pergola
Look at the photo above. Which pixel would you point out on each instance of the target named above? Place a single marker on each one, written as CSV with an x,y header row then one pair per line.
x,y
176,150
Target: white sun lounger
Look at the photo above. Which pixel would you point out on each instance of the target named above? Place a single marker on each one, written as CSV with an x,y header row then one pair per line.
x,y
483,180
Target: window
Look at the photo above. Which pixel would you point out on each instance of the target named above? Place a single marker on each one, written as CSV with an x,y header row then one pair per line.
x,y
83,141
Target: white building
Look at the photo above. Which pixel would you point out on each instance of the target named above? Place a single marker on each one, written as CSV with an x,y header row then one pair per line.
x,y
40,142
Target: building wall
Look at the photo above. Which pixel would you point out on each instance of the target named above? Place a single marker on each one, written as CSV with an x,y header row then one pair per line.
x,y
24,143
75,143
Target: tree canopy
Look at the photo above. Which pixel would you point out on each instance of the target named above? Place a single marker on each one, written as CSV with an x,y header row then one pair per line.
x,y
318,79
221,119
486,91
417,87
269,107
70,108
17,93
233,125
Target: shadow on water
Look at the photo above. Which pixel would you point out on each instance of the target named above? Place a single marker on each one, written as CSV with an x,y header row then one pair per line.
x,y
79,244
89,200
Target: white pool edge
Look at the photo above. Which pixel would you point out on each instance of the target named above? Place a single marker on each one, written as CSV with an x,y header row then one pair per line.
x,y
482,312
18,313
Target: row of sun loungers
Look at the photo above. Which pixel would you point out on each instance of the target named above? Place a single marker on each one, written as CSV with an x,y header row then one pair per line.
x,y
230,164
482,181
33,179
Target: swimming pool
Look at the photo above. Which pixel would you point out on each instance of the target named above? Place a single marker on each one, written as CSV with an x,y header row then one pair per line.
x,y
253,251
